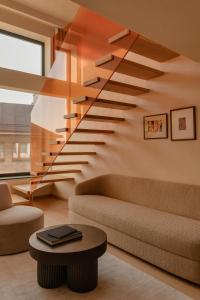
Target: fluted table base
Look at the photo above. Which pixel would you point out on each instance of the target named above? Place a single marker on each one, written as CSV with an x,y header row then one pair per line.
x,y
82,277
51,276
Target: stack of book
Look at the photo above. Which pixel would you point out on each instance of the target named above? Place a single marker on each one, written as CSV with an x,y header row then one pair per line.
x,y
59,235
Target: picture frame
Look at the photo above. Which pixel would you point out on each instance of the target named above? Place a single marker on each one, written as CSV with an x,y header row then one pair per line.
x,y
183,123
155,126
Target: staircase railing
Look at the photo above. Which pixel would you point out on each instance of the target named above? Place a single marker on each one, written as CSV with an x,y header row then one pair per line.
x,y
74,56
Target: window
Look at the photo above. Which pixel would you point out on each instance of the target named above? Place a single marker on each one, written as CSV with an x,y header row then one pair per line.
x,y
21,151
22,54
1,151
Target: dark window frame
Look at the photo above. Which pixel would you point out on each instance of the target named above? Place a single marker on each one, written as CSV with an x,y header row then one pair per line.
x,y
6,176
42,44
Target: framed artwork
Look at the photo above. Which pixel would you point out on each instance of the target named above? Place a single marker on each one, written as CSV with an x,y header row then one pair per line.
x,y
156,126
183,124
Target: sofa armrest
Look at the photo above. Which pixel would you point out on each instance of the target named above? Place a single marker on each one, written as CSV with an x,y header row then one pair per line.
x,y
88,187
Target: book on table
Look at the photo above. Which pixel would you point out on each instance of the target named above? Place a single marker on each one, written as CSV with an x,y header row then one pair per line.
x,y
59,235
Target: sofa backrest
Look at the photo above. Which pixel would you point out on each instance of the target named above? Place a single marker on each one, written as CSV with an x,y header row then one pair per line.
x,y
176,198
5,196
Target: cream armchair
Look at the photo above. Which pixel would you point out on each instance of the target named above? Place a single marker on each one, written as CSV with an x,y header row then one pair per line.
x,y
17,223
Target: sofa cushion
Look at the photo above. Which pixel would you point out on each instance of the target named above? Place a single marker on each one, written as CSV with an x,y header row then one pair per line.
x,y
176,234
19,214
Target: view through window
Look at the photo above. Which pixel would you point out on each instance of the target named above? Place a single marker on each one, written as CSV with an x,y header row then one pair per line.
x,y
26,55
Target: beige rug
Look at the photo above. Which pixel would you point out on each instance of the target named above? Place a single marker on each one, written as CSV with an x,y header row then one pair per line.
x,y
117,281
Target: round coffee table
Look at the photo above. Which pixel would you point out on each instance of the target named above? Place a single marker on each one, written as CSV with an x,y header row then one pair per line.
x,y
74,263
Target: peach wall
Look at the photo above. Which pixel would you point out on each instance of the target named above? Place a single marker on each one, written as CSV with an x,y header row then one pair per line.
x,y
126,152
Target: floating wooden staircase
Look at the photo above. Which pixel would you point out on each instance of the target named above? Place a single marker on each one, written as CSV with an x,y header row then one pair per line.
x,y
141,46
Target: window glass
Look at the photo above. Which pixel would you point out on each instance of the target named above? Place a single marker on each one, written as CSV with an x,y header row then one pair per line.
x,y
15,151
9,96
21,151
24,150
1,151
20,54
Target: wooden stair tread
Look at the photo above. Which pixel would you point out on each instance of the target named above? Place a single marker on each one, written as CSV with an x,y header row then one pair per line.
x,y
117,87
128,67
122,34
104,60
85,143
84,130
72,153
80,99
65,129
91,81
57,142
98,118
71,116
56,172
152,50
19,200
124,88
78,143
61,163
134,69
95,118
25,188
51,180
106,103
113,104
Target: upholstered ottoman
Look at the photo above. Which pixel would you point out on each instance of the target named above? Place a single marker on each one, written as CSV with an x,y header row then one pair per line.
x,y
17,223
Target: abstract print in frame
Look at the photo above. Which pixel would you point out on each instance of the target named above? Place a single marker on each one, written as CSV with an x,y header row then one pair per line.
x,y
156,126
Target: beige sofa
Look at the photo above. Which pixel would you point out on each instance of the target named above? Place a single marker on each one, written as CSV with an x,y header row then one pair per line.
x,y
155,220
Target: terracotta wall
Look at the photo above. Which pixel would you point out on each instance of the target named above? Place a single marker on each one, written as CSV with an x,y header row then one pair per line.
x,y
126,152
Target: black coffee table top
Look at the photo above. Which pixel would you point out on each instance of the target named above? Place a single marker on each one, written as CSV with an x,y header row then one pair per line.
x,y
92,245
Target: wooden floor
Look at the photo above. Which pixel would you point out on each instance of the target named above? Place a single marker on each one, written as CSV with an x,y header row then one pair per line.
x,y
56,212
